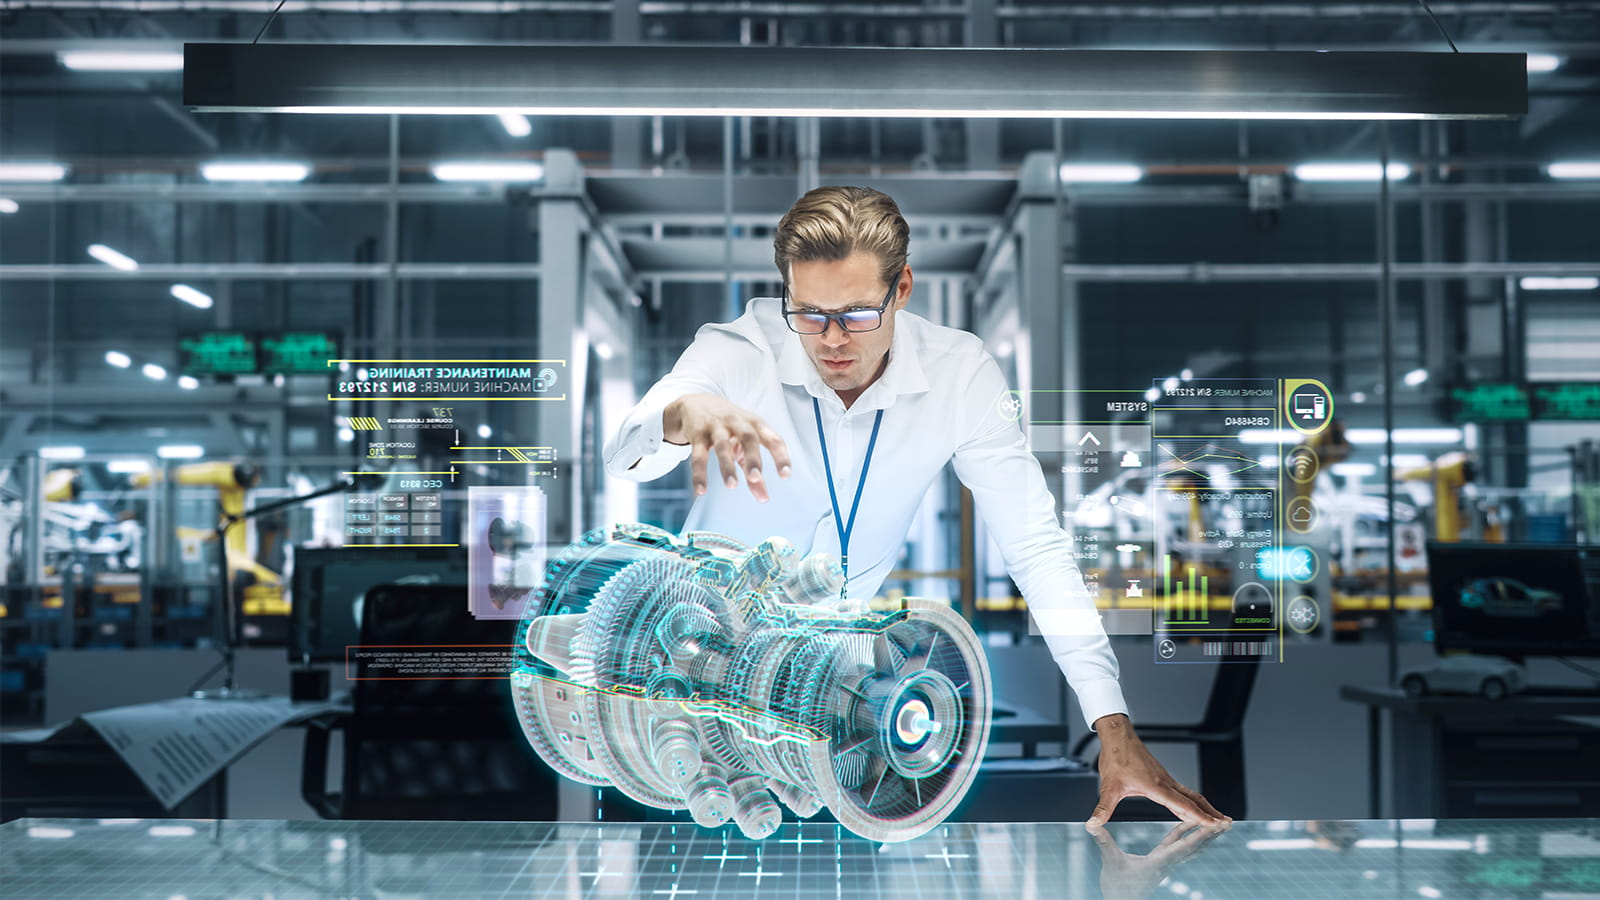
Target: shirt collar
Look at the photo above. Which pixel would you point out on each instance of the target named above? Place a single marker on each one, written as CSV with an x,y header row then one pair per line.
x,y
903,375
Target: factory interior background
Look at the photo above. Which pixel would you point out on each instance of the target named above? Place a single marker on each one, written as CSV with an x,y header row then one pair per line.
x,y
194,308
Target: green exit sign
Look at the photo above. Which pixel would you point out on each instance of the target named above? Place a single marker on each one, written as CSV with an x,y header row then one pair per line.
x,y
217,353
1567,401
1553,401
1494,402
298,353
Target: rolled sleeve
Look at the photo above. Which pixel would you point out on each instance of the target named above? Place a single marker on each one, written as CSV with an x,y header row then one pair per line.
x,y
1016,506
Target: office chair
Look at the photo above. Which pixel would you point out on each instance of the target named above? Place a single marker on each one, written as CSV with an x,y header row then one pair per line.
x,y
429,748
1218,738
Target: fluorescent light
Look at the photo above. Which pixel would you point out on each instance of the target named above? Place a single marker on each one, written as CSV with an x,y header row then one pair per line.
x,y
346,435
516,124
180,451
1350,469
49,832
1282,844
1547,283
1574,168
1358,397
1415,377
1540,63
254,171
154,372
1406,460
488,171
1153,394
120,61
603,350
1405,435
1269,436
834,112
188,382
113,258
32,171
61,452
126,467
1101,173
485,431
172,831
191,296
1349,171
118,358
1429,891
8,205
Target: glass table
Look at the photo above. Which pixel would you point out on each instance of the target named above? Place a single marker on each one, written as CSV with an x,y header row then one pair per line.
x,y
161,859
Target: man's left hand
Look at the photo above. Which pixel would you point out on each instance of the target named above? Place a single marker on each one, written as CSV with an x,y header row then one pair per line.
x,y
1128,770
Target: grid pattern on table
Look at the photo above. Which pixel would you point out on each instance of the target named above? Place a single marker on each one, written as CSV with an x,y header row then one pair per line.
x,y
132,860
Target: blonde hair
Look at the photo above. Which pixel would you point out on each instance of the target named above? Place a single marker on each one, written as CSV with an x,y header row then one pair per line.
x,y
830,223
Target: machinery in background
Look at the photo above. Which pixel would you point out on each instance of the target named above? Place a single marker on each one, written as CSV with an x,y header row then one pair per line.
x,y
1449,474
704,674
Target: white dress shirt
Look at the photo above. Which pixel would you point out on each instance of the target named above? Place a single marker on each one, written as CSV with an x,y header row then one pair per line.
x,y
940,395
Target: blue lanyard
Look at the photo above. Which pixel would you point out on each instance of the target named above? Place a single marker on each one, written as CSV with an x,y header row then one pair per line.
x,y
838,520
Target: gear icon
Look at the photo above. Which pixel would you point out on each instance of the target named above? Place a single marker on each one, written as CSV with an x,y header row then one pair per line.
x,y
1303,614
1009,406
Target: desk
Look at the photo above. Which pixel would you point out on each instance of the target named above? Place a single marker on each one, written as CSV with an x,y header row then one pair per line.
x,y
85,859
1463,755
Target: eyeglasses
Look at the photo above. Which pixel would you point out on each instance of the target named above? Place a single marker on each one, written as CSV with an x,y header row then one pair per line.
x,y
856,320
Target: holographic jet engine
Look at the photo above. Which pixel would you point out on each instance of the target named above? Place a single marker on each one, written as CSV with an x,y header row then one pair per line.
x,y
702,674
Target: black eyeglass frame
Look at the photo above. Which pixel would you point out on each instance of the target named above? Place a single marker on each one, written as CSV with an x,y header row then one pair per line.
x,y
838,318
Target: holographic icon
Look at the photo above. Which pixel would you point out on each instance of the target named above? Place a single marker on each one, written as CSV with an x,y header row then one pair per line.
x,y
1303,614
1302,464
1167,649
701,673
1302,515
1009,406
545,380
1130,460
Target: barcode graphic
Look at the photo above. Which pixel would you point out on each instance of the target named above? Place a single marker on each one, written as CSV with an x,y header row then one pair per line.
x,y
1238,648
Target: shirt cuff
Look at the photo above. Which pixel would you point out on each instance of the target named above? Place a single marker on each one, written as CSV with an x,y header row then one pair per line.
x,y
1101,697
643,453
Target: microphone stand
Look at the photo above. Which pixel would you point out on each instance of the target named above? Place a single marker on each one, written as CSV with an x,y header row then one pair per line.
x,y
230,609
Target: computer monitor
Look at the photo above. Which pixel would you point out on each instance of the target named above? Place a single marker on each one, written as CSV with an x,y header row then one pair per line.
x,y
328,583
1515,600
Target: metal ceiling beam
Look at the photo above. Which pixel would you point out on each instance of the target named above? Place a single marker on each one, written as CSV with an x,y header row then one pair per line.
x,y
1202,272
704,259
822,81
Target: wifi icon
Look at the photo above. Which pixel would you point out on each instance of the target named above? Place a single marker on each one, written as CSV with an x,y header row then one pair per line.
x,y
1302,463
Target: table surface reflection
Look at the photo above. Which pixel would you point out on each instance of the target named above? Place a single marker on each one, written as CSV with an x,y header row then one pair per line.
x,y
132,859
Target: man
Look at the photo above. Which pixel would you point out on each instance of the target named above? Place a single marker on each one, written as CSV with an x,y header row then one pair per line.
x,y
872,402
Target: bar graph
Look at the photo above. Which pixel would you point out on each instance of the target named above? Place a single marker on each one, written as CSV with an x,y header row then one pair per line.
x,y
1184,603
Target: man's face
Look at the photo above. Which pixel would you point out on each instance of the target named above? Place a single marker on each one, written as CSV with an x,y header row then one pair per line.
x,y
848,361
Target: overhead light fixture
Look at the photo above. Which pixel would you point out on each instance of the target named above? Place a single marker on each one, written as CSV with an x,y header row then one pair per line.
x,y
1336,171
1100,173
516,124
180,451
1354,469
1542,63
113,258
1269,436
32,171
1153,394
154,372
1171,384
127,467
50,832
488,171
118,358
120,61
8,205
484,431
61,452
1569,283
1003,83
188,382
1358,397
254,171
192,296
346,435
1415,377
1576,168
603,350
1405,435
1186,375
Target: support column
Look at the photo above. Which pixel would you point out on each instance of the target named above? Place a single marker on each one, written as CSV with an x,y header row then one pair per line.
x,y
1046,236
627,132
983,135
556,319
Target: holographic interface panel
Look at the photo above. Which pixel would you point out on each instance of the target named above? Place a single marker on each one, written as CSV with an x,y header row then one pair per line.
x,y
700,673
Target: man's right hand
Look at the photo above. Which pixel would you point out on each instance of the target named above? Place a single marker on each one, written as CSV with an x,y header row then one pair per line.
x,y
708,422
